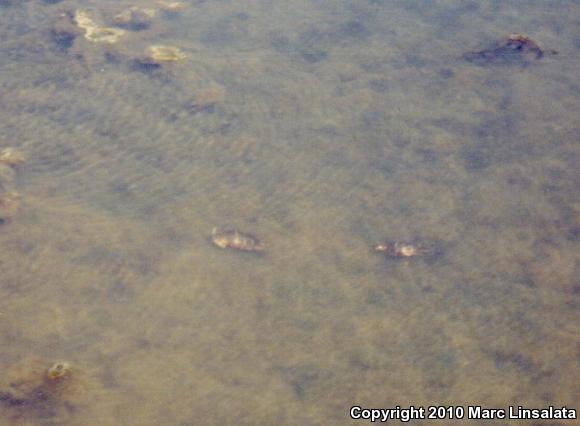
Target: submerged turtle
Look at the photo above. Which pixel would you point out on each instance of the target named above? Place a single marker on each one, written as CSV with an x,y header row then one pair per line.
x,y
58,371
515,47
234,239
397,249
31,384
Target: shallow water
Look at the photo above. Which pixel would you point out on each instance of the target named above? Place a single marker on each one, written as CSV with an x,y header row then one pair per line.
x,y
323,127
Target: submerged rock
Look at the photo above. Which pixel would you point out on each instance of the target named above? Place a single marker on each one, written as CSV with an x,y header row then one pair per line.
x,y
515,47
95,33
234,239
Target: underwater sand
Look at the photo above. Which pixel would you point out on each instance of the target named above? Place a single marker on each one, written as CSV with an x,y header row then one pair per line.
x,y
323,127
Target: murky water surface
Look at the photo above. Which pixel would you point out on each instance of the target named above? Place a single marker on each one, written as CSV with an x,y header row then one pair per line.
x,y
322,127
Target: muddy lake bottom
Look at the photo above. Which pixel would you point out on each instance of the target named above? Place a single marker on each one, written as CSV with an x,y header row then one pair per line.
x,y
322,128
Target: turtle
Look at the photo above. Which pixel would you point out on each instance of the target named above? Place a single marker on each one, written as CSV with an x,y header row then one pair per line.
x,y
234,239
397,249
